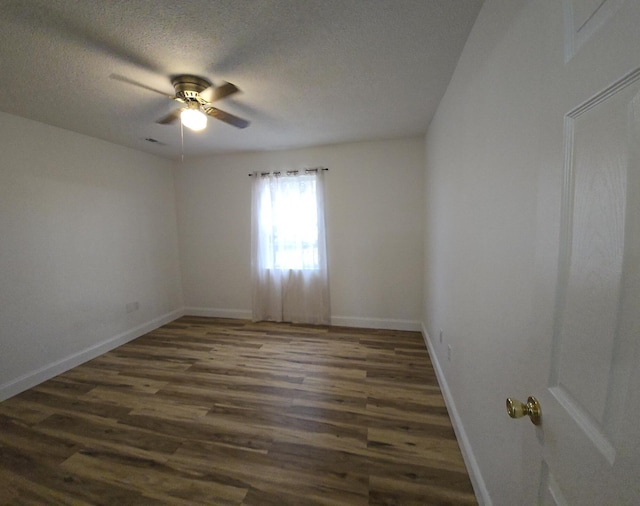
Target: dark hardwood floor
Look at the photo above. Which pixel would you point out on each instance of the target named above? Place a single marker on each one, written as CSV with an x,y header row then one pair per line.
x,y
214,411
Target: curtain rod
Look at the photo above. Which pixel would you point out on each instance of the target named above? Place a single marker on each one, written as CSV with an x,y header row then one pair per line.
x,y
288,172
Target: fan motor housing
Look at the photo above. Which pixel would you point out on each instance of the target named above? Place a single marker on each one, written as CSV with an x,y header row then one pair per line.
x,y
189,87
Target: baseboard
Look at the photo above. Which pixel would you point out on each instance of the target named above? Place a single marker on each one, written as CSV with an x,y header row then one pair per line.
x,y
212,312
344,321
36,377
479,486
375,323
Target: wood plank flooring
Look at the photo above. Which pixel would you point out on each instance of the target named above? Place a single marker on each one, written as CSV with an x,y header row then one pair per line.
x,y
229,412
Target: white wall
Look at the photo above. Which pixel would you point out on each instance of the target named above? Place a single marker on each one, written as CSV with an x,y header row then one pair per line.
x,y
374,226
494,168
85,228
481,176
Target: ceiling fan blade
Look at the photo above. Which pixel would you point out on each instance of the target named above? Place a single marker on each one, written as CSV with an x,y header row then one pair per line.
x,y
170,118
227,117
139,85
212,94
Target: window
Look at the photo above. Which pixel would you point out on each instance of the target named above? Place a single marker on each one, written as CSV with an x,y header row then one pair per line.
x,y
289,222
288,248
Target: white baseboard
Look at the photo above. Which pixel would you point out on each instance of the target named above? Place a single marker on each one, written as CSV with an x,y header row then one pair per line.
x,y
33,378
479,486
212,312
344,321
376,323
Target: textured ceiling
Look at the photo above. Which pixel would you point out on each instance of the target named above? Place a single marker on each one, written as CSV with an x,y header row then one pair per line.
x,y
311,72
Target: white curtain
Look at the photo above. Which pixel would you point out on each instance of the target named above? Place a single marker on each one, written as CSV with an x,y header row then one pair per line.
x,y
289,253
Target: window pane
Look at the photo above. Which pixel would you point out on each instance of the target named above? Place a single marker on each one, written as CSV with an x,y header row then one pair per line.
x,y
292,216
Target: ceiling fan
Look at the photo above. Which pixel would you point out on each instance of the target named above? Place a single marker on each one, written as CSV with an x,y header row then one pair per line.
x,y
196,95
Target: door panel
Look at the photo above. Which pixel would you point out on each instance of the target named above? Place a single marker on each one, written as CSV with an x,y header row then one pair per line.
x,y
583,18
588,444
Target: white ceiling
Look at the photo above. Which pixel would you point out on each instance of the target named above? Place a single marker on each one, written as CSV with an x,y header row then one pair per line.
x,y
311,72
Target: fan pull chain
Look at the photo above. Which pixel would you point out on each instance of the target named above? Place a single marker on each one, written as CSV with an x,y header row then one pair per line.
x,y
181,142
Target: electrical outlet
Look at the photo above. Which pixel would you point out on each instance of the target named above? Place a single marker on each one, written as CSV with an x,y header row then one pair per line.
x,y
441,336
132,306
449,353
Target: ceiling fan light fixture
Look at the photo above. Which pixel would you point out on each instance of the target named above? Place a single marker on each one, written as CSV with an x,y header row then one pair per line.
x,y
194,119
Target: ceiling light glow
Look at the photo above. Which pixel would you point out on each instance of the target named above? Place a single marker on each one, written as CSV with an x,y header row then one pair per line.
x,y
194,119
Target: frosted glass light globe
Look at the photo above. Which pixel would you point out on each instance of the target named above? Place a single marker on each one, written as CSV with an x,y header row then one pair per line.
x,y
194,119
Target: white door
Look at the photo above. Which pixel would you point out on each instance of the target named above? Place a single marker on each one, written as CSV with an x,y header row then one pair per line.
x,y
589,391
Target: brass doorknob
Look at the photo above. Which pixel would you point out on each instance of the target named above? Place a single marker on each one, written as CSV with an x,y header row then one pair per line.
x,y
517,409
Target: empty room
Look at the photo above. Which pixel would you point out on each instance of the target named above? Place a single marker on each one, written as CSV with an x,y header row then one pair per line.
x,y
320,252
